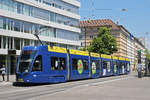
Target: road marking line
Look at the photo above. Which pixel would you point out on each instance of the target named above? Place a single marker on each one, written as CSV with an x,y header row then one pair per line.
x,y
107,81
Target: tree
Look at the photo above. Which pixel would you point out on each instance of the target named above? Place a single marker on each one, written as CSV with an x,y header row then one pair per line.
x,y
147,54
83,49
105,43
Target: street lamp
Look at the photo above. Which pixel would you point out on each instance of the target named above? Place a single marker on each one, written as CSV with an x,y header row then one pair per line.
x,y
123,10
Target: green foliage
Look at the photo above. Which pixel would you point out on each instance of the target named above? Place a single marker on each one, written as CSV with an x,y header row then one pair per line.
x,y
83,49
105,43
147,54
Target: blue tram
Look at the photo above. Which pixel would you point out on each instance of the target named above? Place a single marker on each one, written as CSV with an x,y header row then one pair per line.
x,y
45,64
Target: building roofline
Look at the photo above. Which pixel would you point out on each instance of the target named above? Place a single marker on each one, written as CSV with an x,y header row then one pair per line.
x,y
98,23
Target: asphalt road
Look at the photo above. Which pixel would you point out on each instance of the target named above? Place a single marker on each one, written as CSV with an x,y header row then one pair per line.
x,y
126,87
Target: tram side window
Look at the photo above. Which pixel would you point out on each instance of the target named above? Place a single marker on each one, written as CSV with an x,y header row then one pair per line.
x,y
108,66
122,65
104,64
128,66
37,66
115,64
97,63
62,64
85,64
74,64
54,63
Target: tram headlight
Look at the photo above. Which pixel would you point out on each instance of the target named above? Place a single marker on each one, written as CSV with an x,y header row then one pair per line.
x,y
28,81
26,71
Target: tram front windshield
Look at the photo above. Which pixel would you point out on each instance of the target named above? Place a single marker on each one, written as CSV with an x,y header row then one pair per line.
x,y
25,60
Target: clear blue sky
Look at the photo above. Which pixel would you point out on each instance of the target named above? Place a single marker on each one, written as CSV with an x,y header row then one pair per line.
x,y
136,18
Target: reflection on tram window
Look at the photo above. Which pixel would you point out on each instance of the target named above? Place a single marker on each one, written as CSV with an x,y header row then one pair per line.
x,y
97,64
122,65
115,66
62,64
74,64
128,66
54,63
37,66
106,65
85,64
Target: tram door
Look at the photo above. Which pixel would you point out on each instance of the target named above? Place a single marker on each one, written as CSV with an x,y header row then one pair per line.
x,y
106,67
127,67
79,68
58,67
122,67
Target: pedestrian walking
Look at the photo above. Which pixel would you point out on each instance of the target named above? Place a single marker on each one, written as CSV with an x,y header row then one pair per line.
x,y
3,70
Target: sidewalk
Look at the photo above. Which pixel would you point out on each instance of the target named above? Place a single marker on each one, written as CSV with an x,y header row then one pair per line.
x,y
12,78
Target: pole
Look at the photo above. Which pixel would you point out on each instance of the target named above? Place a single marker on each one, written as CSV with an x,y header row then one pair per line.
x,y
7,64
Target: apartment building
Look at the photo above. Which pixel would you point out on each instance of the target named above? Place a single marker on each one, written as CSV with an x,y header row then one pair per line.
x,y
57,21
127,44
89,30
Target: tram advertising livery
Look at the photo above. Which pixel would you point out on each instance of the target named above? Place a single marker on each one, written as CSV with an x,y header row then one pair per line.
x,y
45,64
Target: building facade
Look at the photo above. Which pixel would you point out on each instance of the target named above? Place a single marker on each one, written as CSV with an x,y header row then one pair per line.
x,y
90,29
55,20
127,44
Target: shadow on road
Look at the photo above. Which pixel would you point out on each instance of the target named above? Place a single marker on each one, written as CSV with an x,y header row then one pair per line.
x,y
17,84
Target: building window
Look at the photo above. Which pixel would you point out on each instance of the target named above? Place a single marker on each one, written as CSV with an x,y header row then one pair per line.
x,y
91,36
10,43
4,42
10,24
83,30
17,43
0,41
1,22
4,23
17,26
19,8
11,5
26,42
91,30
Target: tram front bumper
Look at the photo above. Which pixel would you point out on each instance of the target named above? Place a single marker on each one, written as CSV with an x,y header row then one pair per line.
x,y
20,80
